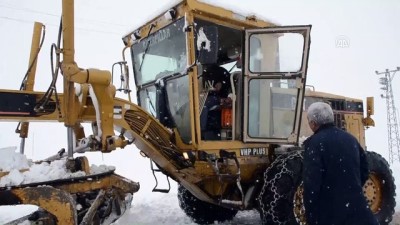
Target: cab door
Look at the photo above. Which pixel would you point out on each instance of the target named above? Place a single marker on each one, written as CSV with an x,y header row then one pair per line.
x,y
274,83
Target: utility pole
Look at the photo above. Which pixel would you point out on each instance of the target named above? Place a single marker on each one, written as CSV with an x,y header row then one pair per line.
x,y
393,128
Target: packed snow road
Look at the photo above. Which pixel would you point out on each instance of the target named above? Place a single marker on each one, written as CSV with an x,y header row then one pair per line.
x,y
164,209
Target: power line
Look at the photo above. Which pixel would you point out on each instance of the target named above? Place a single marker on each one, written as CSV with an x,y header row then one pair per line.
x,y
53,25
16,20
55,15
28,10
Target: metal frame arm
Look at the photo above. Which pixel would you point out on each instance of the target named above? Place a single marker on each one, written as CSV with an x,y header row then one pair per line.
x,y
100,81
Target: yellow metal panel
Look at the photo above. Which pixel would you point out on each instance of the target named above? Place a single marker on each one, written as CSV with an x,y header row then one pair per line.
x,y
226,15
370,105
55,201
355,127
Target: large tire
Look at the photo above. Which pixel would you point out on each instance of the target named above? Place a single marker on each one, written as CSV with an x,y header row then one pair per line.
x,y
202,212
379,189
281,182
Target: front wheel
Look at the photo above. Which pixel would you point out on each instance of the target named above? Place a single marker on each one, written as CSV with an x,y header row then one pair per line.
x,y
202,212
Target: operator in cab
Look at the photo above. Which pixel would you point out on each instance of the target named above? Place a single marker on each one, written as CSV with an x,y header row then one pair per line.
x,y
210,119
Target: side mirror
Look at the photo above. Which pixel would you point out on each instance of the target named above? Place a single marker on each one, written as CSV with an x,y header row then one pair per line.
x,y
207,45
370,106
368,121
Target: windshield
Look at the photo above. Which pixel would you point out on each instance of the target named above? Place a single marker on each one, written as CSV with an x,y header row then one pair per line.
x,y
162,53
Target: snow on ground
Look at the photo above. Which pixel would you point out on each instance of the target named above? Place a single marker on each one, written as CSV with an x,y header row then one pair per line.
x,y
164,209
10,213
159,210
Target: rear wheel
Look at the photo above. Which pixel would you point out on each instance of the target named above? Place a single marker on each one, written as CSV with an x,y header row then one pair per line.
x,y
277,198
202,212
379,189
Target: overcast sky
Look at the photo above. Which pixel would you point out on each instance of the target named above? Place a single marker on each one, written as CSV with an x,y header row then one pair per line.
x,y
370,28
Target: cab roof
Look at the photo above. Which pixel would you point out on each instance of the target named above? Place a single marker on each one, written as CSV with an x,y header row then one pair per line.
x,y
178,8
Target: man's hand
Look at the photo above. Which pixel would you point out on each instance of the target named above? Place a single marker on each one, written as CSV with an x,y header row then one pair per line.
x,y
226,101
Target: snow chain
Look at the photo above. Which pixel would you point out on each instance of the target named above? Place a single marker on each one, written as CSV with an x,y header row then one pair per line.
x,y
280,161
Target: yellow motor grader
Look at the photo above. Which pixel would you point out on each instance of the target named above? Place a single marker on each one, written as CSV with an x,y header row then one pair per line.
x,y
220,109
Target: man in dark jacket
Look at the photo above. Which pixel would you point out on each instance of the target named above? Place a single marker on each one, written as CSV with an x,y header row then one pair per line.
x,y
335,169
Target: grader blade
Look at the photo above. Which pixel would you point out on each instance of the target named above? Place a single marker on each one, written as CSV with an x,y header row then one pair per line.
x,y
55,201
94,199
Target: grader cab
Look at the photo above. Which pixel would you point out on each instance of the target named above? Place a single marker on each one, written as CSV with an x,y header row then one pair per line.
x,y
220,109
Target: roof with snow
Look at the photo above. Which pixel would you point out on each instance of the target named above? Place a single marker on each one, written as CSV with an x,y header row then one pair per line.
x,y
205,8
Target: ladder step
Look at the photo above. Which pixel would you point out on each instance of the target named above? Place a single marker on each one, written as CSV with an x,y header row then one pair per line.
x,y
161,190
157,170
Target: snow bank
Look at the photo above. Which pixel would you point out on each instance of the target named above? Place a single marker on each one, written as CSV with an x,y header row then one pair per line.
x,y
9,160
94,169
38,173
45,171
